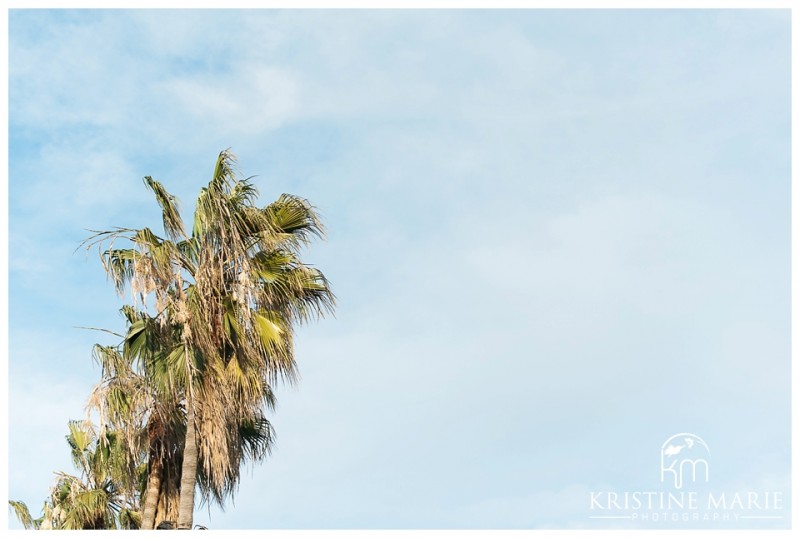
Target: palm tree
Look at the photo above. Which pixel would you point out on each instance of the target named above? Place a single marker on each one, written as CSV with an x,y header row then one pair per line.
x,y
137,399
92,500
230,294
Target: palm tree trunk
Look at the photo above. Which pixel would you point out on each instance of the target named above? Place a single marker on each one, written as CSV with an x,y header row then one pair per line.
x,y
188,470
152,493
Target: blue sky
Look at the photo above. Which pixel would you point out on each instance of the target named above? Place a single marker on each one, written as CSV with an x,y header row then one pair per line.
x,y
557,238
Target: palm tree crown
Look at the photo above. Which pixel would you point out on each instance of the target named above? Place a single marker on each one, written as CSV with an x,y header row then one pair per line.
x,y
217,309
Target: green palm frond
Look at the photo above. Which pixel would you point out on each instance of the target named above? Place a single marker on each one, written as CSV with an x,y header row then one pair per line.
x,y
244,193
173,224
111,361
257,437
129,519
80,438
88,509
24,515
224,171
294,219
120,265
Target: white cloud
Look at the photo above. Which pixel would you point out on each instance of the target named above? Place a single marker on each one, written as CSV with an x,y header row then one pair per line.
x,y
80,182
60,74
248,99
